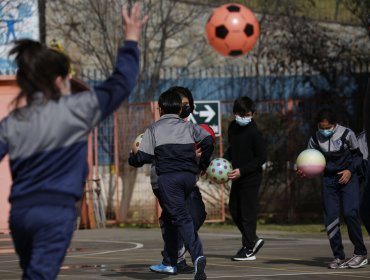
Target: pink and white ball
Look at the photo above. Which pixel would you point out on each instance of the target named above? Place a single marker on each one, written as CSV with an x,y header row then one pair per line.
x,y
311,162
218,169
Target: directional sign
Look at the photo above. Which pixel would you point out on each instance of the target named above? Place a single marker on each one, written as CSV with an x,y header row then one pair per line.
x,y
207,112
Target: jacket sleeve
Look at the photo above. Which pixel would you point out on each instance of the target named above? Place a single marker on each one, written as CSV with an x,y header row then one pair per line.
x,y
207,151
3,142
119,85
139,159
145,153
259,158
205,141
227,153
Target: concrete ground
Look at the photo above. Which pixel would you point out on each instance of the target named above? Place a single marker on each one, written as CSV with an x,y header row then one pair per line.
x,y
127,254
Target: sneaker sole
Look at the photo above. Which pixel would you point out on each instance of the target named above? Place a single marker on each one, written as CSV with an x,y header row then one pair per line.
x,y
251,258
200,268
364,262
339,267
258,246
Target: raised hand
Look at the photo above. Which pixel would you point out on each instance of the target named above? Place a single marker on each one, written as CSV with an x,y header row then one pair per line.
x,y
133,23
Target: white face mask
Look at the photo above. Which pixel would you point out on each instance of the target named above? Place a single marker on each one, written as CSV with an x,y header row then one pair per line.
x,y
243,121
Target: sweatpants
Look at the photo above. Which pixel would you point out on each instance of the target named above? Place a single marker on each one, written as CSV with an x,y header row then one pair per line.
x,y
243,206
336,195
174,188
196,208
41,236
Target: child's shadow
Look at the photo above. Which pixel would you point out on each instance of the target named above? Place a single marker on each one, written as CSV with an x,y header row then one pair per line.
x,y
317,262
134,271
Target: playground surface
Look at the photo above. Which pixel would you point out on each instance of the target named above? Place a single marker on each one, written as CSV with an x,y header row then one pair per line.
x,y
127,253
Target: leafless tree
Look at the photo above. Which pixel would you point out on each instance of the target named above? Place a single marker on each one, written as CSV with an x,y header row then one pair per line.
x,y
292,44
289,43
91,31
359,8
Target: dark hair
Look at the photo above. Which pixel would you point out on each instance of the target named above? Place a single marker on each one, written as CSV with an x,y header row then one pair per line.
x,y
185,92
170,102
326,114
244,105
38,67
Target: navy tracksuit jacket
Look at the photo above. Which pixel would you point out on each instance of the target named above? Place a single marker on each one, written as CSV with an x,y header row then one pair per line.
x,y
341,152
47,146
170,143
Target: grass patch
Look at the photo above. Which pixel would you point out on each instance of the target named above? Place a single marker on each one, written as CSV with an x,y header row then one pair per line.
x,y
293,228
228,226
303,228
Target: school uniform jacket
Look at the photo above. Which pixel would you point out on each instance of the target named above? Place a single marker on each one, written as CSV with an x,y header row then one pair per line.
x,y
341,150
170,143
47,141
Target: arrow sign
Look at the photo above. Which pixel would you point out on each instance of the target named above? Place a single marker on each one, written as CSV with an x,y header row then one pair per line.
x,y
208,113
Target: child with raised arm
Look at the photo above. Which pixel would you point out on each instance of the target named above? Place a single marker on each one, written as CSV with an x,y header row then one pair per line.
x,y
46,141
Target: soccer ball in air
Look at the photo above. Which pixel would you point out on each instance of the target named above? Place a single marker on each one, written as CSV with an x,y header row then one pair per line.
x,y
136,144
311,162
218,169
232,29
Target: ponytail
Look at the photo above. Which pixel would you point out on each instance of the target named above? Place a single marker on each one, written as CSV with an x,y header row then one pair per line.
x,y
38,67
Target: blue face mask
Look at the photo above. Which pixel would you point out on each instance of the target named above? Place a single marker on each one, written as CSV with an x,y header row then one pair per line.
x,y
327,132
243,121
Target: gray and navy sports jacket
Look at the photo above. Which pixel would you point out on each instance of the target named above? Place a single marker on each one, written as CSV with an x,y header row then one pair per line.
x,y
47,141
170,143
341,150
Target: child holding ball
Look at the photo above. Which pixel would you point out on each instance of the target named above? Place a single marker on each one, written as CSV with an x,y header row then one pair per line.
x,y
247,154
340,148
169,142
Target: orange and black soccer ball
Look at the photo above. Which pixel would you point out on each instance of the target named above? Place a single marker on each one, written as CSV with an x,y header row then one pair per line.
x,y
232,30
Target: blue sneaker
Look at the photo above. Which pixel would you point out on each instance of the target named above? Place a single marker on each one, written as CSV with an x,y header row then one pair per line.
x,y
164,269
200,267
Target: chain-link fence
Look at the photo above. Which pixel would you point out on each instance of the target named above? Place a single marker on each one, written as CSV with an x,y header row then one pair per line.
x,y
286,105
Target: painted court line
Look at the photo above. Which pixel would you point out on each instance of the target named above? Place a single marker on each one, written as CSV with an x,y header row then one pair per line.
x,y
10,261
8,271
136,246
